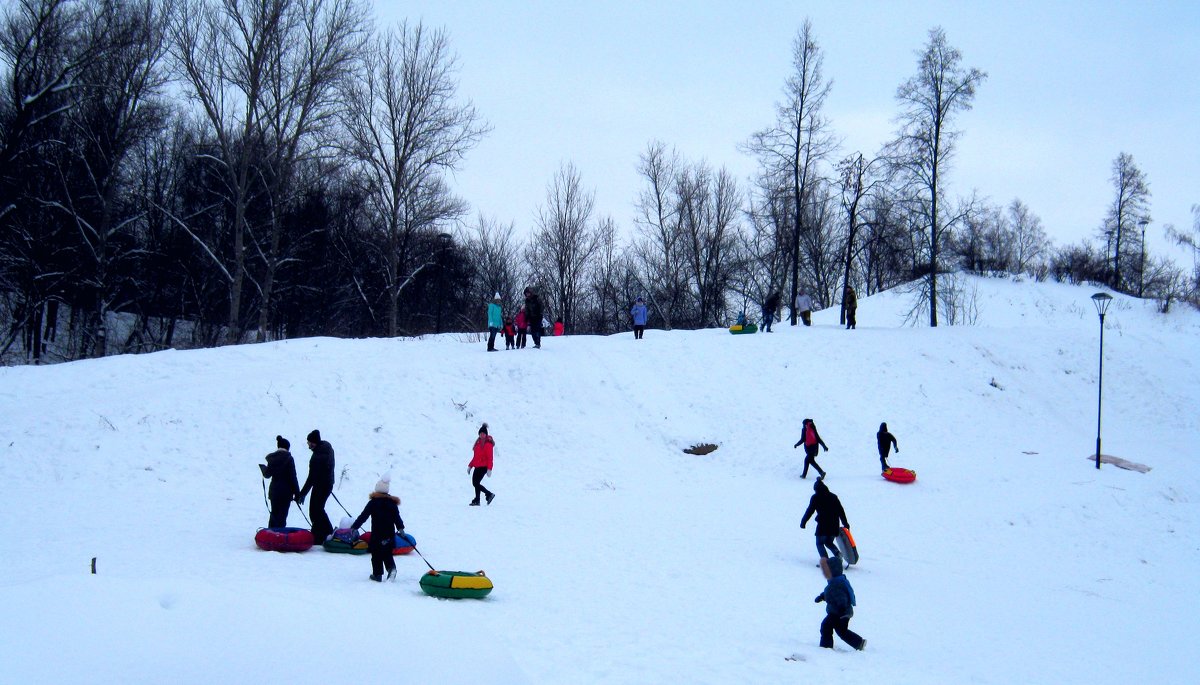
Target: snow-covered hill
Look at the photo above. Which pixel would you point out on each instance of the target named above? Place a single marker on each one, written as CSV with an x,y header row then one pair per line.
x,y
618,558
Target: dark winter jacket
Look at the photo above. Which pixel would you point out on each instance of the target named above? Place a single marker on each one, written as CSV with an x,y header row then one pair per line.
x,y
772,303
533,309
886,440
838,595
281,469
320,469
828,509
384,510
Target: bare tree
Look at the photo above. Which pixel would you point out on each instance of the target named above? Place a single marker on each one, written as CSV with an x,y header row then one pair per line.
x,y
223,51
792,149
1027,238
929,100
406,129
300,103
44,47
659,248
709,208
495,255
1129,208
119,106
564,241
859,179
1190,240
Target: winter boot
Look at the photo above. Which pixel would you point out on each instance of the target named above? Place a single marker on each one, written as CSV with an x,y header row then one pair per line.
x,y
489,497
391,574
474,503
377,579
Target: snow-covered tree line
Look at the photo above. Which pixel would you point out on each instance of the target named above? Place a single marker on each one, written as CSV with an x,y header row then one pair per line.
x,y
213,171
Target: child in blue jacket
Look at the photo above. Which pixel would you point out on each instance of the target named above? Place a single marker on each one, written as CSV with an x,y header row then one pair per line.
x,y
839,607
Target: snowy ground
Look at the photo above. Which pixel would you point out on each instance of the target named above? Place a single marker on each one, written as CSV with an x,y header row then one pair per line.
x,y
617,558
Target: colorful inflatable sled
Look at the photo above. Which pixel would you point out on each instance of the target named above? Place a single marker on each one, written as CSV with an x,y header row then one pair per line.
x,y
284,539
345,541
404,543
456,584
738,329
898,475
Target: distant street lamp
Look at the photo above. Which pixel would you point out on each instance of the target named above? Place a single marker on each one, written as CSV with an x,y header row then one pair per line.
x,y
1142,267
1101,300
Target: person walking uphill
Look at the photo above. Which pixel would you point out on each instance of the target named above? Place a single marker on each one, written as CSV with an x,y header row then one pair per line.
x,y
769,308
386,524
533,316
810,438
281,469
495,322
830,514
850,302
886,442
481,465
320,481
522,328
639,314
839,607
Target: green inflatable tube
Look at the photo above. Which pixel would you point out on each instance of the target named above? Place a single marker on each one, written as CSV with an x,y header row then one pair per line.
x,y
456,584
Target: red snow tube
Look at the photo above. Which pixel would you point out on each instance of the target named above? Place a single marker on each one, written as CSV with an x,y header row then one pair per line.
x,y
284,539
404,543
899,475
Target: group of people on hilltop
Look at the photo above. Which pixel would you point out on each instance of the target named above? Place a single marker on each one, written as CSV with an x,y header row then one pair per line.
x,y
382,508
529,319
804,306
831,517
528,323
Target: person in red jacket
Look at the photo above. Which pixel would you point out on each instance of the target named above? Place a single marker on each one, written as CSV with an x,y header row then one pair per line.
x,y
481,465
811,439
522,328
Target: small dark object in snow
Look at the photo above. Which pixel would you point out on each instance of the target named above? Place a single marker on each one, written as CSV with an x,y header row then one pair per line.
x,y
702,448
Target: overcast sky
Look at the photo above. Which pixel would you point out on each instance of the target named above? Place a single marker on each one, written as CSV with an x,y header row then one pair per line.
x,y
1070,86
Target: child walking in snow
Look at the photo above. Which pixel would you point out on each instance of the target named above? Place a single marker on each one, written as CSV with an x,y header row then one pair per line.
x,y
481,465
886,442
810,438
839,607
384,510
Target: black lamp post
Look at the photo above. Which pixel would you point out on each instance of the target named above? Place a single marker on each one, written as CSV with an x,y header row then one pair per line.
x,y
1101,300
1142,266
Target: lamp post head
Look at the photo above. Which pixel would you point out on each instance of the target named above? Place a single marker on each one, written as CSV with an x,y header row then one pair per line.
x,y
1101,300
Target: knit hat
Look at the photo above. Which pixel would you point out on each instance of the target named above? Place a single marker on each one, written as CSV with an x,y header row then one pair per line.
x,y
497,297
483,430
282,443
314,436
639,299
383,484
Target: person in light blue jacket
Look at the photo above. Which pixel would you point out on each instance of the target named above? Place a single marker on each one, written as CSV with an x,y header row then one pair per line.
x,y
639,314
495,322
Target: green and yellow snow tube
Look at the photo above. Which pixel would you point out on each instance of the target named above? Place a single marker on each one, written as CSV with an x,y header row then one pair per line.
x,y
738,329
456,584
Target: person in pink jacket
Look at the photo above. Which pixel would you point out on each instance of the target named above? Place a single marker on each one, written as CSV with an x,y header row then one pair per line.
x,y
481,465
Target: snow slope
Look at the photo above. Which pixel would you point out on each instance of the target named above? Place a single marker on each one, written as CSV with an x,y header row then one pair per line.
x,y
617,558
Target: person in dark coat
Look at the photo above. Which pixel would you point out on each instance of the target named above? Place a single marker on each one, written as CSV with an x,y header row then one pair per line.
x,y
769,308
886,442
386,524
811,439
320,481
839,607
533,315
850,302
830,514
281,469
